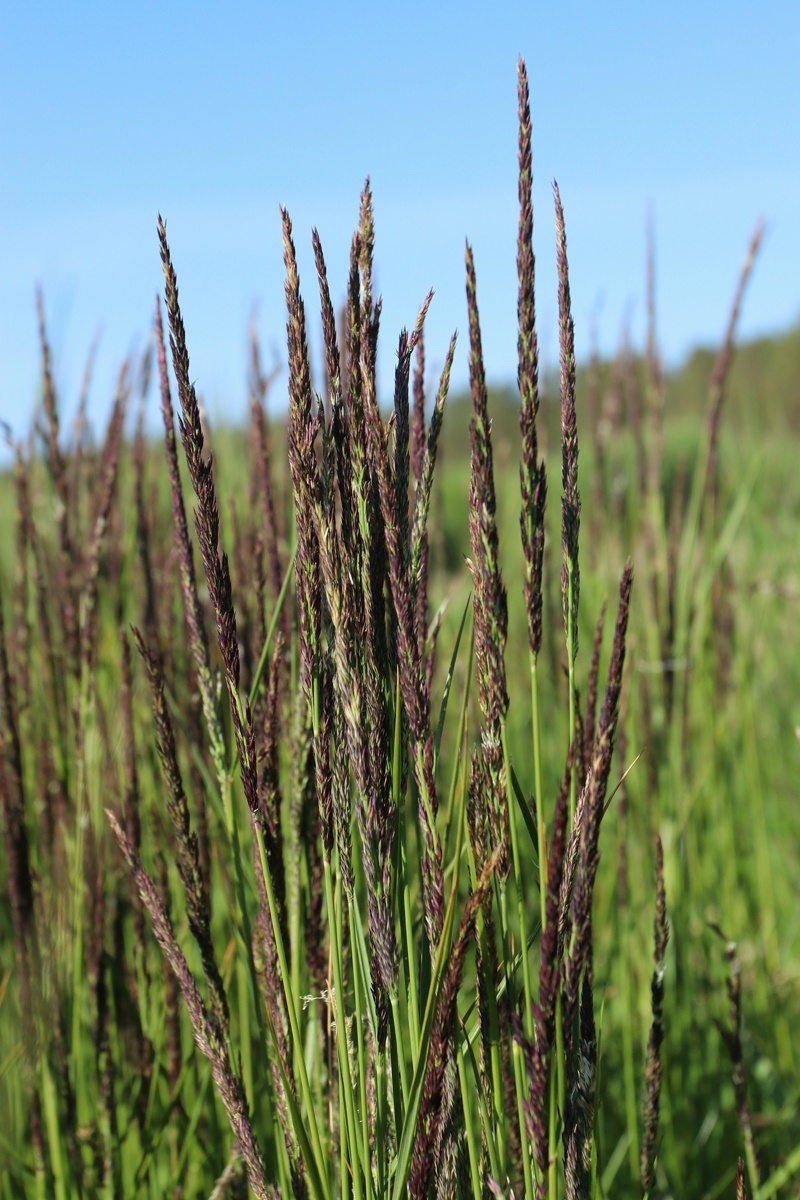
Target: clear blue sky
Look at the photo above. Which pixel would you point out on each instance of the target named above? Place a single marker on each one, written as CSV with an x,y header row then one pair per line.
x,y
216,114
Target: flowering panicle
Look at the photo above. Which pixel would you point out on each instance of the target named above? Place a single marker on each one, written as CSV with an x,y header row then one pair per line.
x,y
571,500
206,519
198,638
489,596
533,478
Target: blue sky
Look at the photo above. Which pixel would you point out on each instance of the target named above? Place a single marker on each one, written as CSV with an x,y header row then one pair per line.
x,y
214,115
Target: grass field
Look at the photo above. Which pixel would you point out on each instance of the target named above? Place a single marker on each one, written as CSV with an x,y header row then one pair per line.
x,y
363,860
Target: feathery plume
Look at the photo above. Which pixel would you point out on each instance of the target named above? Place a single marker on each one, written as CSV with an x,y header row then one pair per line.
x,y
489,594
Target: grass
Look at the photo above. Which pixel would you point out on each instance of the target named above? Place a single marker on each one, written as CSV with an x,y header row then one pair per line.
x,y
337,867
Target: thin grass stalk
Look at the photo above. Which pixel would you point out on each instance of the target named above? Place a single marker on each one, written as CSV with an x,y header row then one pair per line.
x,y
198,904
108,482
133,832
703,479
654,1067
732,1037
719,376
654,524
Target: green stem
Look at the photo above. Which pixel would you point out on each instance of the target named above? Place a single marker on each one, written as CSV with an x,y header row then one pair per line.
x,y
341,1035
358,992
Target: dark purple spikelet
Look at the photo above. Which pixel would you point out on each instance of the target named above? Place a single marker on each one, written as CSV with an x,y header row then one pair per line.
x,y
741,1186
544,1012
571,500
653,1067
591,692
270,531
303,428
366,246
533,482
418,432
402,421
489,598
583,853
208,1035
424,474
333,369
198,638
206,519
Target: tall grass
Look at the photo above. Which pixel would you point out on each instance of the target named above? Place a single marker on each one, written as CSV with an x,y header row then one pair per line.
x,y
306,895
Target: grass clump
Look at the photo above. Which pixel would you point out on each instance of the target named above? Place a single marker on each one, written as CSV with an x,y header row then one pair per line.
x,y
293,906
